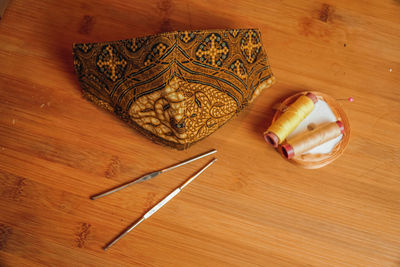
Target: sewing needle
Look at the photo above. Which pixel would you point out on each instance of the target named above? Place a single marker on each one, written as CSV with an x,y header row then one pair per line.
x,y
159,205
151,175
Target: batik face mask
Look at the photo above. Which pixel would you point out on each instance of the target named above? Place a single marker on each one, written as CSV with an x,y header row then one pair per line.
x,y
179,87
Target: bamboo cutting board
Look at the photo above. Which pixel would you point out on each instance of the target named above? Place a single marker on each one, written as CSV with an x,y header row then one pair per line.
x,y
251,207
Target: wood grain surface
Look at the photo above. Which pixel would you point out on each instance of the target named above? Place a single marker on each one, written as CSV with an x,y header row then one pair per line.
x,y
251,207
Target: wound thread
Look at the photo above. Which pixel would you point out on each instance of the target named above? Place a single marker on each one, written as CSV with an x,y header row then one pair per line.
x,y
289,120
309,140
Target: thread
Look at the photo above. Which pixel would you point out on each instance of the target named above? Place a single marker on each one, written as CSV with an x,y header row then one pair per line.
x,y
304,142
290,119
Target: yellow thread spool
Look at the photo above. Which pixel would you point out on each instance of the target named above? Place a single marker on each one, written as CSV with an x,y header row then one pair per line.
x,y
288,121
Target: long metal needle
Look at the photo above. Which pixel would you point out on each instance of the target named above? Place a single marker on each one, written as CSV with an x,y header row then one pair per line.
x,y
159,205
151,175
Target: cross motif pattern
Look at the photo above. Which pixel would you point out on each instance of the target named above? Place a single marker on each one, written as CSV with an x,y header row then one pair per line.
x,y
239,69
234,33
178,87
249,47
213,52
161,48
157,52
186,38
84,47
135,44
112,63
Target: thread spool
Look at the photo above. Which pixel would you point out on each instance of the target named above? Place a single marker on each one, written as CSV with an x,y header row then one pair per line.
x,y
288,121
311,159
311,139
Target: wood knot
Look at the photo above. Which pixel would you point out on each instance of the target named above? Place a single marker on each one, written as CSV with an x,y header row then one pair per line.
x,y
5,233
12,186
164,8
19,188
113,167
82,234
86,25
325,13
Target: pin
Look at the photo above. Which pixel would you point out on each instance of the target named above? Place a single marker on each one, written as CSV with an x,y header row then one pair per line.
x,y
152,175
350,99
159,205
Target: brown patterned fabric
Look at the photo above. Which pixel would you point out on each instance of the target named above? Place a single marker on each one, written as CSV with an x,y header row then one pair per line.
x,y
179,87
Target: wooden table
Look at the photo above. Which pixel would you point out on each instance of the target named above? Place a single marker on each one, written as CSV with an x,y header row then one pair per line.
x,y
250,208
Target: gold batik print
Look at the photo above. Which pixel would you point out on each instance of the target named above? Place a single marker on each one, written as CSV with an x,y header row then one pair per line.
x,y
176,88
